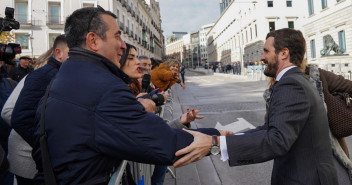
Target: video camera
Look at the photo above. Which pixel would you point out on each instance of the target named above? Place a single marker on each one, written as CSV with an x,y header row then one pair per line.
x,y
9,51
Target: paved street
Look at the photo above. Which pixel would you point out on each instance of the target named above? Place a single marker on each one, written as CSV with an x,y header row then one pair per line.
x,y
226,103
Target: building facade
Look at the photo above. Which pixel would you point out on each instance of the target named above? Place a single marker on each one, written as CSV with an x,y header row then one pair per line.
x,y
203,42
330,21
42,20
239,33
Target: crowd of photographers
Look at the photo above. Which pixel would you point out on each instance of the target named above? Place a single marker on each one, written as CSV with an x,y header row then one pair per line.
x,y
150,80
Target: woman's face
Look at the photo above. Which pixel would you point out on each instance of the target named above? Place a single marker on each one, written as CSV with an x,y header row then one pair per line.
x,y
132,65
174,68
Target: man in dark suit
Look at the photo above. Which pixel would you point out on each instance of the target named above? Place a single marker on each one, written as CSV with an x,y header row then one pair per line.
x,y
296,132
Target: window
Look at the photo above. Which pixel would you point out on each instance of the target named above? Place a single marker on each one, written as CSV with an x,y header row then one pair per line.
x,y
291,24
251,32
289,3
88,5
312,48
270,4
271,26
310,7
22,39
21,9
52,37
256,33
54,13
324,4
246,36
342,40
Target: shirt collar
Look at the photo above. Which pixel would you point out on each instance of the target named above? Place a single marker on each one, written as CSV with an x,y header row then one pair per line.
x,y
278,77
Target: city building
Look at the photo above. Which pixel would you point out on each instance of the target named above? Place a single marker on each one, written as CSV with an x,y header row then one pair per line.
x,y
223,5
175,50
330,22
42,20
203,42
239,33
196,60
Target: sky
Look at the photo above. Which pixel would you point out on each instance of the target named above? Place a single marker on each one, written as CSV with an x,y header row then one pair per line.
x,y
187,15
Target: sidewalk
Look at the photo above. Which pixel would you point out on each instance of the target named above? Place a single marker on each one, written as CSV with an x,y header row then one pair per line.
x,y
252,76
199,173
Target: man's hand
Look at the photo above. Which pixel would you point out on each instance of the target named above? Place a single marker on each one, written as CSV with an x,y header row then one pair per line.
x,y
166,96
199,148
183,85
148,104
190,116
141,94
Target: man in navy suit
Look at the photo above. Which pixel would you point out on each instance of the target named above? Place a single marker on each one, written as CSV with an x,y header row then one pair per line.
x,y
296,131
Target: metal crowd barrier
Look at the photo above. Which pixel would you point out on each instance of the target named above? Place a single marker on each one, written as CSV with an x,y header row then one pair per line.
x,y
142,172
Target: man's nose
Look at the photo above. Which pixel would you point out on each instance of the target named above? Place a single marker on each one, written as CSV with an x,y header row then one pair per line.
x,y
262,58
123,45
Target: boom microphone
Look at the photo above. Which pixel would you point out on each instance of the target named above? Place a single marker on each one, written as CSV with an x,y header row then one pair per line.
x,y
145,82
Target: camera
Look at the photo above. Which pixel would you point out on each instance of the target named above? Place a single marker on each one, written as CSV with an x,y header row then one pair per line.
x,y
9,51
158,99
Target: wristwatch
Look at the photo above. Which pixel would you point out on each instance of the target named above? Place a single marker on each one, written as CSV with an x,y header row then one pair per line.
x,y
215,149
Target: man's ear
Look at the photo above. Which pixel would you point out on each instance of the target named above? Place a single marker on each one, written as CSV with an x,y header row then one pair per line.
x,y
58,54
92,42
285,54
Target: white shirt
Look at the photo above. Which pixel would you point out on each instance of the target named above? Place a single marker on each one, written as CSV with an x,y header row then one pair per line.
x,y
223,145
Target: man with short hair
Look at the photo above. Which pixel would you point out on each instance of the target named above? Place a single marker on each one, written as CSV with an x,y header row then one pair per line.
x,y
21,70
24,112
92,119
146,63
296,131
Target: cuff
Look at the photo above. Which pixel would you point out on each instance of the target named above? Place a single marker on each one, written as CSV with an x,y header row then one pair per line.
x,y
223,149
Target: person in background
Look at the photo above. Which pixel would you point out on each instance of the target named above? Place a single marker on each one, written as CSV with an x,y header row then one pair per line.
x,y
21,70
3,70
182,72
166,75
6,87
20,110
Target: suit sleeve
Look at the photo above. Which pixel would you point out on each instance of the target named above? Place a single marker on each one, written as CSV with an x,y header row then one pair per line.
x,y
288,113
125,130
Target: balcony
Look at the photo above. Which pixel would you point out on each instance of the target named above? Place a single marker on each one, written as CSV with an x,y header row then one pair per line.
x,y
127,30
22,19
55,22
131,34
144,43
137,18
123,2
152,49
128,8
135,36
133,14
